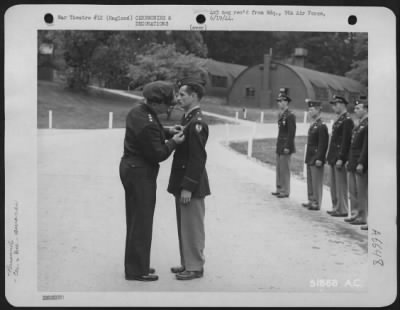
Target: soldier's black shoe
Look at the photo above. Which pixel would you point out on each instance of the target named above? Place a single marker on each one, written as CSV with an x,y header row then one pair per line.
x,y
282,196
351,219
337,214
313,208
365,227
275,193
177,269
330,211
189,275
358,221
144,278
306,205
152,270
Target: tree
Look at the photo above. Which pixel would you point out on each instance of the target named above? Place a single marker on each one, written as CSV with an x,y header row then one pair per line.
x,y
359,66
163,62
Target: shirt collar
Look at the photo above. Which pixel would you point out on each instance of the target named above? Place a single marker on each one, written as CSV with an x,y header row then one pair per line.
x,y
191,110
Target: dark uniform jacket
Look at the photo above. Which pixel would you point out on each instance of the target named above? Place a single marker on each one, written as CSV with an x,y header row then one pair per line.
x,y
317,142
286,133
188,169
340,139
359,147
144,144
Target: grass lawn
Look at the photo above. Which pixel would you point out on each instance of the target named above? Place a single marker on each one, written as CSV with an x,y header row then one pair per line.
x,y
219,106
264,150
89,110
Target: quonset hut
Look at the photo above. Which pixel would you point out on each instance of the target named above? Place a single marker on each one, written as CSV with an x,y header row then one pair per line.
x,y
221,76
259,85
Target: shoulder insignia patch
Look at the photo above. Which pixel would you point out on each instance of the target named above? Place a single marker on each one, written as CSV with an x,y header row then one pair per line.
x,y
199,127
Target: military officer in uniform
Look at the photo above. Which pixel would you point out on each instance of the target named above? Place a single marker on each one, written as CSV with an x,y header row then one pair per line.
x,y
337,157
189,182
357,166
317,144
285,145
145,146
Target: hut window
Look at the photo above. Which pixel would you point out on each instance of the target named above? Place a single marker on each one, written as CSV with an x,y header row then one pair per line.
x,y
219,81
321,93
250,91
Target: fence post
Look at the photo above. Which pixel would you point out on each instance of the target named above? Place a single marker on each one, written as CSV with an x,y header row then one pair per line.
x,y
237,115
305,117
250,147
262,117
245,113
50,119
110,120
305,165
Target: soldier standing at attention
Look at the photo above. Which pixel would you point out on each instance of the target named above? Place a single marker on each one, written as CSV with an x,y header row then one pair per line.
x,y
284,145
317,144
144,148
188,181
358,166
338,155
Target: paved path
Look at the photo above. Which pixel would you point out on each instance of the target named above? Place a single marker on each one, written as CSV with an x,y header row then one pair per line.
x,y
254,242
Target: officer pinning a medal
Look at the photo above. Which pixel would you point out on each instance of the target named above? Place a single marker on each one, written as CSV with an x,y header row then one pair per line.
x,y
317,144
337,156
145,146
285,145
357,166
188,181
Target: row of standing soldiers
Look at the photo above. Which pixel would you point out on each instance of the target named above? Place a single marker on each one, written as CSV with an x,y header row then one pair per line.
x,y
346,154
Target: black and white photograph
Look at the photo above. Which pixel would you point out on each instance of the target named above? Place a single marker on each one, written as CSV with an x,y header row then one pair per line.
x,y
201,160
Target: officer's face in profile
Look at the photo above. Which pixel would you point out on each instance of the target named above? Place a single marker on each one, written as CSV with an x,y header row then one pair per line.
x,y
184,99
160,108
359,110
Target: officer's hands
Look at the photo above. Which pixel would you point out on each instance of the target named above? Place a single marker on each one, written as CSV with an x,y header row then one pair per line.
x,y
185,196
360,168
339,164
176,129
179,137
286,151
318,163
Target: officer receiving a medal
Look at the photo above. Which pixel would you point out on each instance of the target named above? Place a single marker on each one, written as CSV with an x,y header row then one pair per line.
x,y
188,181
285,145
317,144
145,146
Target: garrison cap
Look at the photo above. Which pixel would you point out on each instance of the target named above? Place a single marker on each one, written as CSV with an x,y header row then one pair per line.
x,y
313,103
283,95
338,99
159,92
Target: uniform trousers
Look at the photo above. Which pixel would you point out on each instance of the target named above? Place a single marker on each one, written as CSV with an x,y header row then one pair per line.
x,y
191,231
315,176
358,189
339,189
140,199
283,173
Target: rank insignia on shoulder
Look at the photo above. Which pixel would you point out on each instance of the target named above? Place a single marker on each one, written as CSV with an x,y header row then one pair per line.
x,y
199,127
199,118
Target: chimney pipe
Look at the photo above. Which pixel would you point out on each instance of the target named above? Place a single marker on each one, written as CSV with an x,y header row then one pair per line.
x,y
265,96
299,56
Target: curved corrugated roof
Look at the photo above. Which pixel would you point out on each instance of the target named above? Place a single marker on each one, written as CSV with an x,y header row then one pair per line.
x,y
223,68
327,80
